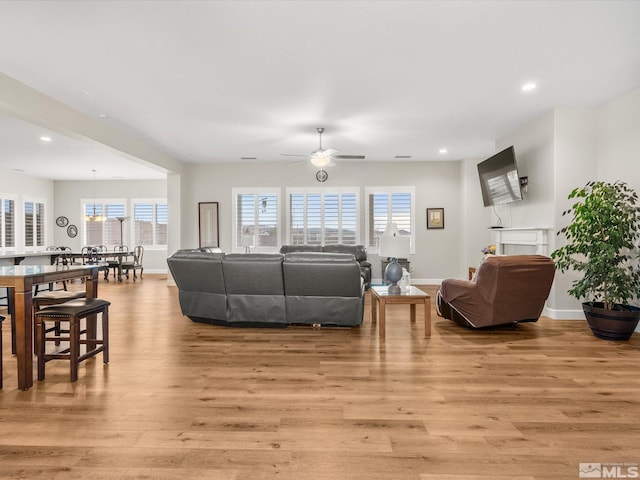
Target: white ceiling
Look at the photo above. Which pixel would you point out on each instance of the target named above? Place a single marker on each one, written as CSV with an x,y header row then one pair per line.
x,y
214,81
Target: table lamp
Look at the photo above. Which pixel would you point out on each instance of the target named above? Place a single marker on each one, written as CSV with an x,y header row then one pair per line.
x,y
394,246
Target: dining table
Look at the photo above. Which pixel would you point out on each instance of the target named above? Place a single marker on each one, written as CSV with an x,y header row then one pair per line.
x,y
20,279
101,259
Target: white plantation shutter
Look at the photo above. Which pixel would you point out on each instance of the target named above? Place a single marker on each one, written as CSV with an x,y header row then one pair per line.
x,y
349,219
161,227
150,220
257,223
111,225
34,233
331,219
297,219
143,224
7,224
39,222
107,231
314,219
323,217
390,205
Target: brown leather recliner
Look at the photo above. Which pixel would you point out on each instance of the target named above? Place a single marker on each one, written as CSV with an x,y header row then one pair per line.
x,y
506,289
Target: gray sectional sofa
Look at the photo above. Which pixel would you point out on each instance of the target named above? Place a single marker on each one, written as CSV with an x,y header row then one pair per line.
x,y
273,290
358,251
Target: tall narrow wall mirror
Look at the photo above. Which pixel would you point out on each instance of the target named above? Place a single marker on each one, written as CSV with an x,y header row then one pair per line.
x,y
208,220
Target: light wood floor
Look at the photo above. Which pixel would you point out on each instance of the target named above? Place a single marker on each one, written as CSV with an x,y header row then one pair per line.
x,y
181,400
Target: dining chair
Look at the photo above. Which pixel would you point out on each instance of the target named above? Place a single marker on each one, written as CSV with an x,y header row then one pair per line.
x,y
116,262
135,264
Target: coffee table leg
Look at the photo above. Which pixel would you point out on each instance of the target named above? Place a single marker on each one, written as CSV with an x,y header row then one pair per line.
x,y
381,317
374,313
427,317
413,312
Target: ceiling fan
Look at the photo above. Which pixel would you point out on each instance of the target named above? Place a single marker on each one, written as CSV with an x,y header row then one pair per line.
x,y
324,157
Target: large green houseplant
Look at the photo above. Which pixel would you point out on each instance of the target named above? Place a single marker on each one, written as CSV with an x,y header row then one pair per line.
x,y
602,244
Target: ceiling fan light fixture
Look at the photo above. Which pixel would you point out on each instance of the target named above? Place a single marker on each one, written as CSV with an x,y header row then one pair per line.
x,y
321,160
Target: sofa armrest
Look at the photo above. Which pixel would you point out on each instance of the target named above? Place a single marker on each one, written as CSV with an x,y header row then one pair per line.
x,y
453,288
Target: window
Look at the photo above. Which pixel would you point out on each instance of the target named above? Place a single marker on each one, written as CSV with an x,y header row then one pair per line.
x,y
256,218
104,228
390,205
322,217
150,219
34,234
7,224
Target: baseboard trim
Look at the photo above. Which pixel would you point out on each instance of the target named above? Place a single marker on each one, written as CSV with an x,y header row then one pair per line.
x,y
556,314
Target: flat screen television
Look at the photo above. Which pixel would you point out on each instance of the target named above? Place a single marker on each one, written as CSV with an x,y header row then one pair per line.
x,y
499,179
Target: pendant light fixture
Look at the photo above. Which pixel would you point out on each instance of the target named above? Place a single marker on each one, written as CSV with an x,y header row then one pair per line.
x,y
95,217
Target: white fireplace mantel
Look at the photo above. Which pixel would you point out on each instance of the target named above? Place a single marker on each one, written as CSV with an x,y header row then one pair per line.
x,y
521,240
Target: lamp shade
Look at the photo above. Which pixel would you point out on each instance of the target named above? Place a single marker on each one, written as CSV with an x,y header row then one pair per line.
x,y
394,245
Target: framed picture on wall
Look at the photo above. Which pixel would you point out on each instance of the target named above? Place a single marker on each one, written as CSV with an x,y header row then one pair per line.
x,y
208,224
435,218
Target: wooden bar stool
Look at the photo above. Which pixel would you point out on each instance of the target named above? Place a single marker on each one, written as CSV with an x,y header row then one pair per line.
x,y
54,297
73,312
1,319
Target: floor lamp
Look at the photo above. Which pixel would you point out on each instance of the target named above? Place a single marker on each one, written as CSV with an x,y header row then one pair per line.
x,y
121,220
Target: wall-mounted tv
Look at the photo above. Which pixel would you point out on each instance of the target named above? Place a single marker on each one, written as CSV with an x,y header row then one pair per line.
x,y
499,178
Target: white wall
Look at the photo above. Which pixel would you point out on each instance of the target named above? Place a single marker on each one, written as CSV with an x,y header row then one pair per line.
x,y
476,218
574,165
534,149
557,152
618,137
437,184
68,197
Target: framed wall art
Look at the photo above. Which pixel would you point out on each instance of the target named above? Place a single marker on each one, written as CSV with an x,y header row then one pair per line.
x,y
435,218
208,224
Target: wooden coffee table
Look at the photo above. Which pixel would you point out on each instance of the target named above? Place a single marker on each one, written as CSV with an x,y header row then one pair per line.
x,y
380,298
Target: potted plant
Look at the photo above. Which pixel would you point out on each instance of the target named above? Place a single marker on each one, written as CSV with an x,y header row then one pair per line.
x,y
602,244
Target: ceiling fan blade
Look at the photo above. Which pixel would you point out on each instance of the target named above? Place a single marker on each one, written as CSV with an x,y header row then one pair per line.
x,y
350,157
295,162
294,155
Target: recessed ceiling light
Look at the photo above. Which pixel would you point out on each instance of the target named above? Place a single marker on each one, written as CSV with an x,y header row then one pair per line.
x,y
84,92
528,87
44,138
443,150
103,115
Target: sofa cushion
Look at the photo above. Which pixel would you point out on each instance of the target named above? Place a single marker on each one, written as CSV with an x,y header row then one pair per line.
x,y
300,248
357,251
324,288
322,274
255,288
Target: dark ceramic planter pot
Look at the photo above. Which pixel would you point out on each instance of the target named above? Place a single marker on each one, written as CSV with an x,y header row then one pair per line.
x,y
611,324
